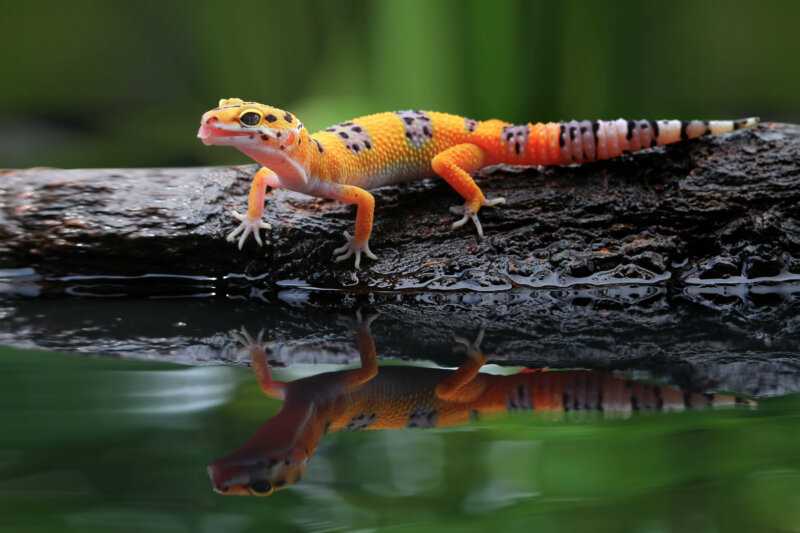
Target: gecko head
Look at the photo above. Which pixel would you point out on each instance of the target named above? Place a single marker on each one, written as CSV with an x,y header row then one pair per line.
x,y
257,475
249,126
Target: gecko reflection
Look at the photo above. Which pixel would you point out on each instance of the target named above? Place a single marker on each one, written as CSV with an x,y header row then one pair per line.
x,y
413,397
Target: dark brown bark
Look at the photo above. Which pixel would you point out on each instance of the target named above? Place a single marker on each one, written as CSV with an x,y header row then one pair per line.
x,y
632,255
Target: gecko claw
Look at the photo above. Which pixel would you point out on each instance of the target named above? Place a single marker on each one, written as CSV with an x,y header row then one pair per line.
x,y
351,248
247,226
473,348
246,341
468,214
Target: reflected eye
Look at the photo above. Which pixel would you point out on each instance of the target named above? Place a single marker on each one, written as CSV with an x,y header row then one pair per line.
x,y
251,118
261,487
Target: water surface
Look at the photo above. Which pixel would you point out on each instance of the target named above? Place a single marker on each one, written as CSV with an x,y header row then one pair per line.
x,y
118,434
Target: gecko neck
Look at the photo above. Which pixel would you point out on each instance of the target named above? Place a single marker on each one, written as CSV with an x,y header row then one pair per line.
x,y
292,165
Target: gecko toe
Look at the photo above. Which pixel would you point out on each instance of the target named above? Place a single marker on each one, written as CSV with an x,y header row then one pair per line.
x,y
352,248
247,226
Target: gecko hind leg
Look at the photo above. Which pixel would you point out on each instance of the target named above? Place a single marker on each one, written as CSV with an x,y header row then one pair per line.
x,y
350,248
455,165
468,215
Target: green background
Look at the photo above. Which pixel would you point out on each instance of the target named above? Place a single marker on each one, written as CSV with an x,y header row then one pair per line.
x,y
114,83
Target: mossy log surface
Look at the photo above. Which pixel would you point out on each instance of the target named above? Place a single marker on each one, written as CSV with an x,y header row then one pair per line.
x,y
714,208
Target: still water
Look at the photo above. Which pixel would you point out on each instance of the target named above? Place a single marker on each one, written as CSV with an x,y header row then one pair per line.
x,y
432,416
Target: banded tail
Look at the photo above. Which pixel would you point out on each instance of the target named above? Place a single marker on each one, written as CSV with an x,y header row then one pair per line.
x,y
581,390
566,143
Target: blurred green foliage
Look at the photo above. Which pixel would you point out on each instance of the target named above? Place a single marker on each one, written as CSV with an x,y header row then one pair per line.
x,y
97,444
98,83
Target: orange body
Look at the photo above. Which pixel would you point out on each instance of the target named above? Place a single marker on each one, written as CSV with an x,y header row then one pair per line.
x,y
345,161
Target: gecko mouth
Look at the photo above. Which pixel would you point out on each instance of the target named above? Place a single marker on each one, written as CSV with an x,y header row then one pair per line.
x,y
212,132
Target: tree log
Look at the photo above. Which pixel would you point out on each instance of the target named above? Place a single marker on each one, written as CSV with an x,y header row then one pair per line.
x,y
724,207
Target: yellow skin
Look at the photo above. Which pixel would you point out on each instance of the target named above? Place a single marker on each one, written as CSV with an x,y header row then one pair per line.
x,y
347,160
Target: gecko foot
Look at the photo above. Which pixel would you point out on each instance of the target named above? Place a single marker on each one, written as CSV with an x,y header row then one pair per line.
x,y
351,247
247,226
473,348
468,214
247,342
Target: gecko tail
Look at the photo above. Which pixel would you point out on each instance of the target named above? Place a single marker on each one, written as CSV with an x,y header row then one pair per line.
x,y
585,141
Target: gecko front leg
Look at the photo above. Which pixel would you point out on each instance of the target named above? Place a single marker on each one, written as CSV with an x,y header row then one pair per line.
x,y
252,222
365,212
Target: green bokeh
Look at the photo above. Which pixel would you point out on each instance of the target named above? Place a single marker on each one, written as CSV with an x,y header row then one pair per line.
x,y
97,83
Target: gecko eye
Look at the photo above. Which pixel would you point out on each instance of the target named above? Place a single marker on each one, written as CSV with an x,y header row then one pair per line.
x,y
262,488
250,118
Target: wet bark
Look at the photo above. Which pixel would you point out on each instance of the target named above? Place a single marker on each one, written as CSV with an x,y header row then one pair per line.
x,y
716,208
681,262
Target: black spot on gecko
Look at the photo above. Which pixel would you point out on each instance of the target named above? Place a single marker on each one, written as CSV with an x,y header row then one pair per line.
x,y
470,124
654,125
264,137
279,134
422,418
417,126
572,131
684,134
288,117
271,118
319,145
631,127
361,421
519,399
561,142
515,137
354,137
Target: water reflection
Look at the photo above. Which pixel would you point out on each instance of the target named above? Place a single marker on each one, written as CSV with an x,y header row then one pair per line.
x,y
399,397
